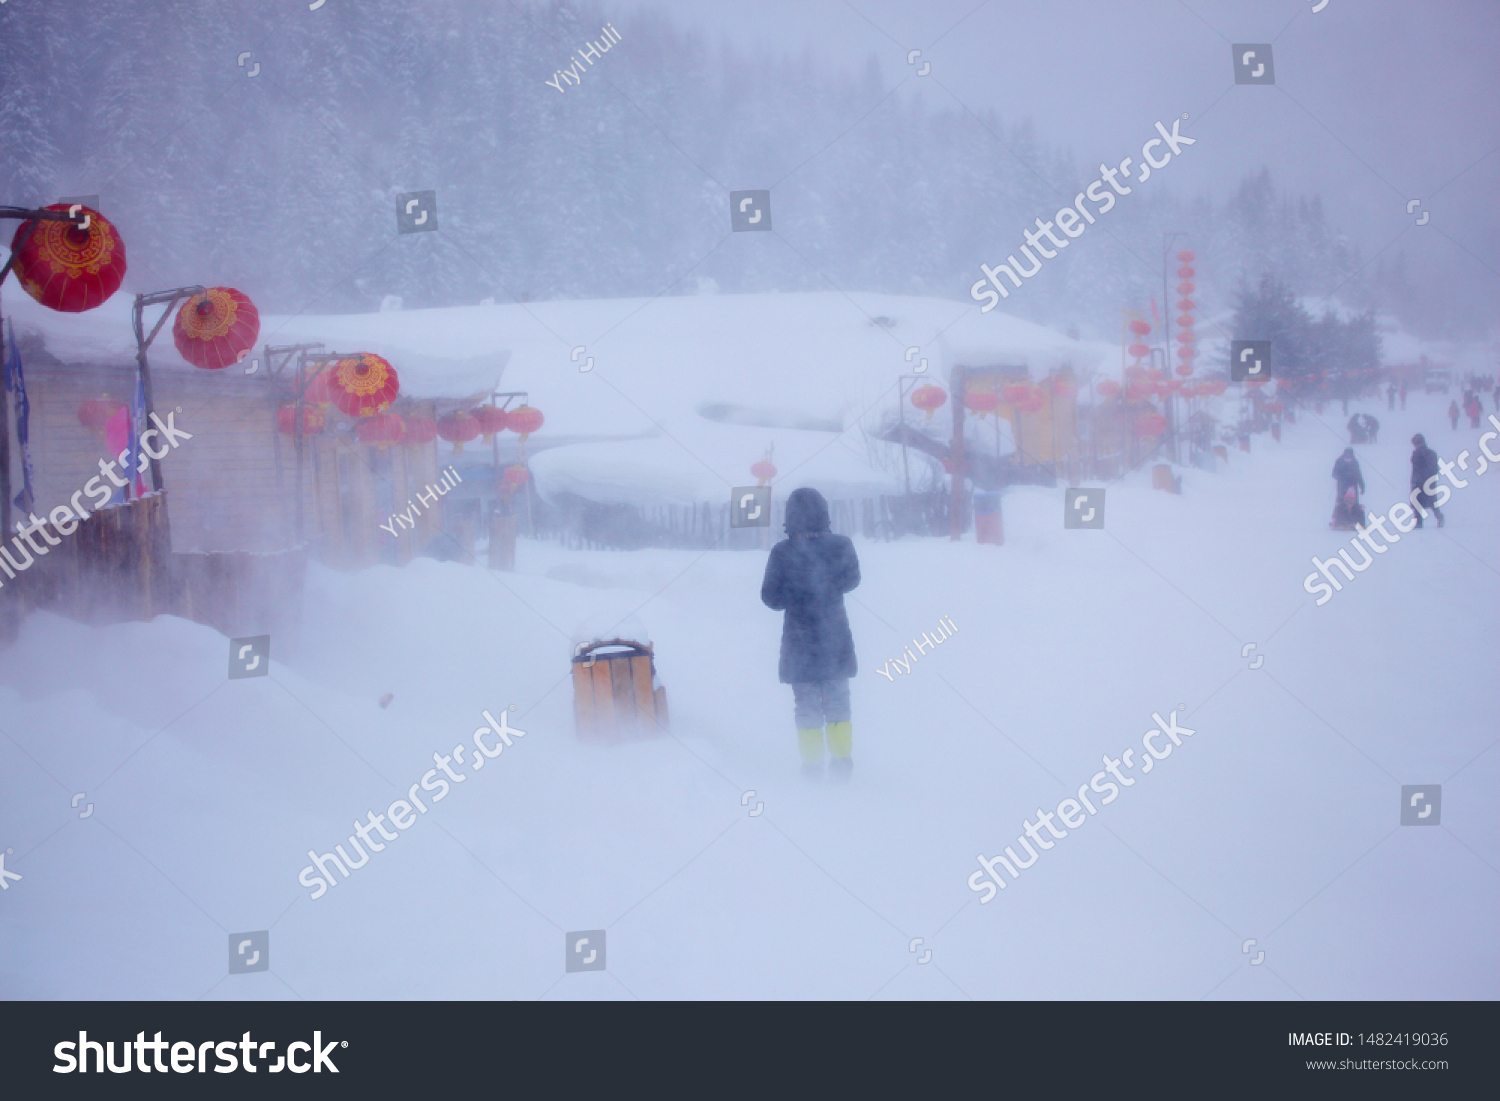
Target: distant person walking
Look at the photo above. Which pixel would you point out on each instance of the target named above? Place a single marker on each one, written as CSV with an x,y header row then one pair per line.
x,y
1475,409
1372,427
1390,396
1453,413
1356,428
1424,466
1403,393
806,577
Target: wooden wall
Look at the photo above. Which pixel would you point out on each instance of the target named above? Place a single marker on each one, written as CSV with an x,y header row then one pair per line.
x,y
233,486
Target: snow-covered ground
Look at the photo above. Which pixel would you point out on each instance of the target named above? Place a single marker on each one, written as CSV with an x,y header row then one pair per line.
x,y
1277,821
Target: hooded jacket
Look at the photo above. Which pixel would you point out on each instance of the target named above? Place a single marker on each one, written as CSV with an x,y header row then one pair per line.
x,y
806,577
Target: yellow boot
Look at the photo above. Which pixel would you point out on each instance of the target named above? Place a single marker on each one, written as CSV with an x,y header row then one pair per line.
x,y
810,742
840,740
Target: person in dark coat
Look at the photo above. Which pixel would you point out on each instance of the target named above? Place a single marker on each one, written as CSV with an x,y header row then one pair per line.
x,y
1453,413
1346,471
1424,466
807,575
1372,427
1356,429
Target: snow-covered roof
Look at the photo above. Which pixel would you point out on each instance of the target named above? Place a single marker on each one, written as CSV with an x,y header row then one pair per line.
x,y
713,379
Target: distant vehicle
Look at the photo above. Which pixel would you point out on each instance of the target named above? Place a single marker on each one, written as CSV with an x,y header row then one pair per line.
x,y
1435,381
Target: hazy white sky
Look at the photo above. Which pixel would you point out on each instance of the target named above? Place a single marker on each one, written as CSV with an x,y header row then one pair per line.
x,y
1376,102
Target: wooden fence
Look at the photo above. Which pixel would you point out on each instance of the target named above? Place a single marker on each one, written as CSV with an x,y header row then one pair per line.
x,y
116,566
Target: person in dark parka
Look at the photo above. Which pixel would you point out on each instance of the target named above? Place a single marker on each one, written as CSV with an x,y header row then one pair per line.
x,y
1424,467
807,575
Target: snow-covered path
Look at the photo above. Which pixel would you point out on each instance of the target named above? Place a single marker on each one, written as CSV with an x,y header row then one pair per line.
x,y
1276,822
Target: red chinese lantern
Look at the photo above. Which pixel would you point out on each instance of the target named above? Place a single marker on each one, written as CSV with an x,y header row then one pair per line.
x,y
1156,374
319,391
216,329
1139,327
382,430
929,399
1187,354
1185,336
1185,289
981,402
1151,424
1185,304
458,429
313,420
1184,369
1173,386
1107,388
1186,256
420,430
1135,370
68,268
1185,321
762,471
514,477
1140,351
363,385
95,413
524,420
491,420
1185,273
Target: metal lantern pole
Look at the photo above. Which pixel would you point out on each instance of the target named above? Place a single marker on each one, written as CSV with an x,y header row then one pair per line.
x,y
33,218
143,342
274,370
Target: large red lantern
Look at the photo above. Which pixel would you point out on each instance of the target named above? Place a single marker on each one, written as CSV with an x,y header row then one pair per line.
x,y
524,420
1151,424
458,429
1135,371
1185,289
95,413
1185,304
319,391
1186,256
929,399
491,420
313,420
1185,321
515,477
981,402
1139,327
1185,273
216,329
1108,388
1185,336
1140,351
363,385
762,471
420,430
66,267
382,430
1186,354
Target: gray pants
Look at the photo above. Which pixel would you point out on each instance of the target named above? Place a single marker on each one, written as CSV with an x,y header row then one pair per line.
x,y
822,701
